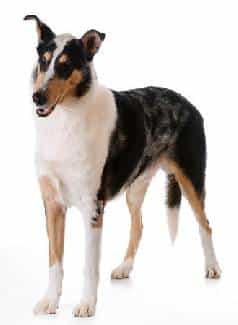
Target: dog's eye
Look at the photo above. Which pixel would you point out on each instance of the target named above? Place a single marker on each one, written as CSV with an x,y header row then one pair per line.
x,y
43,60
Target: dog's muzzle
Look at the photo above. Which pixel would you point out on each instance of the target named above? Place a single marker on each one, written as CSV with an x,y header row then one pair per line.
x,y
43,108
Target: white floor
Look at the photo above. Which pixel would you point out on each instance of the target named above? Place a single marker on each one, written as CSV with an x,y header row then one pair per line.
x,y
167,285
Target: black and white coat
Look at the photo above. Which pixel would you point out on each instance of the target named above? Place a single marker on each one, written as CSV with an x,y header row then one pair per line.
x,y
97,143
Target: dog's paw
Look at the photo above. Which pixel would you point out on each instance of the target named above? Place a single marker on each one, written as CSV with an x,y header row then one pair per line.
x,y
213,271
85,309
122,271
47,305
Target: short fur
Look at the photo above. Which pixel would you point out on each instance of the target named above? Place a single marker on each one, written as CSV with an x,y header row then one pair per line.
x,y
94,143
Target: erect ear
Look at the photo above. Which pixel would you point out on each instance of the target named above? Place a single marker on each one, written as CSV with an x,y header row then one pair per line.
x,y
92,41
45,34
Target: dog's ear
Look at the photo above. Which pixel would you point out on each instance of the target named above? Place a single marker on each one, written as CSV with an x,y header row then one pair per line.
x,y
45,34
92,41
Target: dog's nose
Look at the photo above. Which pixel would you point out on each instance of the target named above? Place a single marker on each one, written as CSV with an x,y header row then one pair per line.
x,y
39,98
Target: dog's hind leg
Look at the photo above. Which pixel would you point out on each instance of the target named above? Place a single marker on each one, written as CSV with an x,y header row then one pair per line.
x,y
196,197
55,221
135,197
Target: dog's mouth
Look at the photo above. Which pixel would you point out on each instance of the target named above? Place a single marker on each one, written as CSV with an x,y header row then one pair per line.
x,y
46,110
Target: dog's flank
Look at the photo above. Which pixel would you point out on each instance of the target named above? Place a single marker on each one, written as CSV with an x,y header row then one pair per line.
x,y
148,122
94,143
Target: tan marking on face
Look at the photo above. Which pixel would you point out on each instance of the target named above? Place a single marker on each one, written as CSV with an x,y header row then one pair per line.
x,y
55,219
63,58
59,89
192,196
75,78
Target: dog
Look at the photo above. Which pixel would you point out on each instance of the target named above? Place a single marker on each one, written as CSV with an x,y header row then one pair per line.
x,y
93,143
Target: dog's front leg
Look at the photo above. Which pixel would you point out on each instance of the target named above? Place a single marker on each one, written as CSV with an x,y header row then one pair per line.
x,y
55,221
93,232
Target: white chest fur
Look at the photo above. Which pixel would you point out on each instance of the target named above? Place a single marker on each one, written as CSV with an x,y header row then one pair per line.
x,y
72,144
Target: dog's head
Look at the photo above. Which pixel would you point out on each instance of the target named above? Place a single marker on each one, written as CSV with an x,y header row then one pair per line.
x,y
63,68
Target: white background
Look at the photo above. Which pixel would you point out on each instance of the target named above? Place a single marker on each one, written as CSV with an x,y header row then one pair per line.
x,y
189,46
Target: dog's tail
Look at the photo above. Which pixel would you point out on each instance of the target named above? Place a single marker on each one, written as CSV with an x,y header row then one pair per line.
x,y
173,205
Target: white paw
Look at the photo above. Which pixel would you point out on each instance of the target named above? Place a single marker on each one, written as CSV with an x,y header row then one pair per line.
x,y
47,305
85,309
122,271
213,271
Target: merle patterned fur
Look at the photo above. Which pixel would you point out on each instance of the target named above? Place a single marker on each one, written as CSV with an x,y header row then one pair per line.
x,y
152,122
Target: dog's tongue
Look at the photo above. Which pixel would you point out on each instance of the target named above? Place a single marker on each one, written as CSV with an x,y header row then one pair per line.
x,y
44,111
